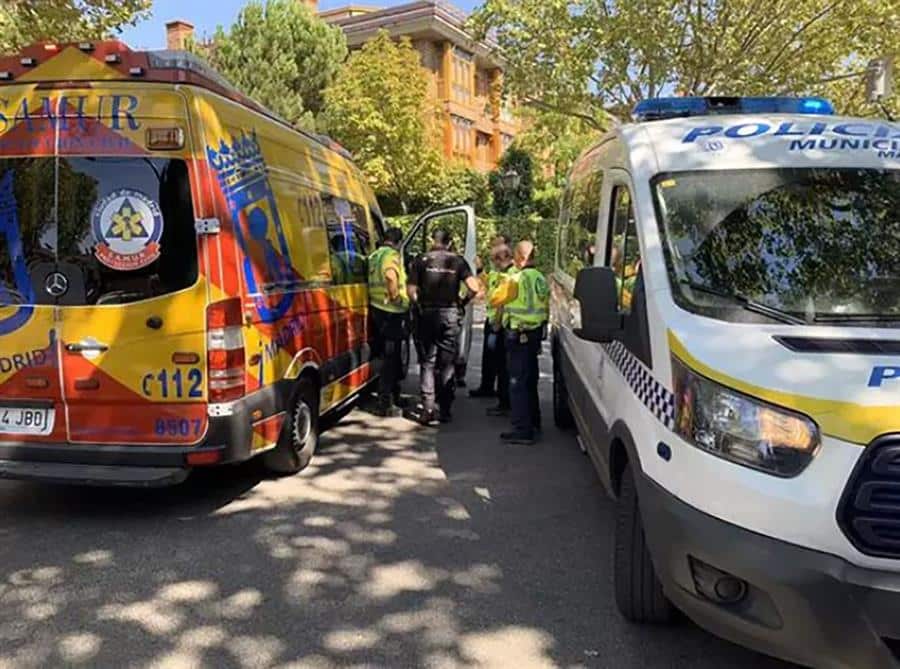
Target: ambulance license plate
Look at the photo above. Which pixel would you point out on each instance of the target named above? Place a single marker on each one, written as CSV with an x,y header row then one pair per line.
x,y
26,420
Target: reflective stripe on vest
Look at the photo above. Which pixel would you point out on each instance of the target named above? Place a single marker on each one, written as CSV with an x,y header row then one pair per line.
x,y
378,293
531,307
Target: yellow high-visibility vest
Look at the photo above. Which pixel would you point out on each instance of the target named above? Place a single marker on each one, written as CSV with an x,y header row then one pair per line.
x,y
380,262
531,308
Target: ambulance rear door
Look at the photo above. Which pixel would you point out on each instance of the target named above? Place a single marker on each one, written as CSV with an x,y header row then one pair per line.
x,y
115,254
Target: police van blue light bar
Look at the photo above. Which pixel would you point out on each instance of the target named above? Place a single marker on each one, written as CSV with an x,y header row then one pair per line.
x,y
656,109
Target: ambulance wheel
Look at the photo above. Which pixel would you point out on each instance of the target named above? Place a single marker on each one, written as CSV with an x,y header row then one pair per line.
x,y
639,594
562,415
299,434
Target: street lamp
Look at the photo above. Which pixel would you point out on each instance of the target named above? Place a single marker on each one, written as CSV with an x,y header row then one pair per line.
x,y
510,180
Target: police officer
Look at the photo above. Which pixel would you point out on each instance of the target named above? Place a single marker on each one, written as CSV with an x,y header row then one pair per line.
x,y
434,288
525,299
390,311
491,358
496,341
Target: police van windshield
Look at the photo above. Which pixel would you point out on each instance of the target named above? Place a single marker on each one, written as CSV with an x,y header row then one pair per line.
x,y
793,245
117,230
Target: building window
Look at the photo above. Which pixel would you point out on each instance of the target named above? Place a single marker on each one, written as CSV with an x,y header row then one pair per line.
x,y
463,76
482,84
463,136
483,147
507,140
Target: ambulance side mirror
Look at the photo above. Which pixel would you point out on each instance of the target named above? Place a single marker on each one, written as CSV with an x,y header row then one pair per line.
x,y
598,295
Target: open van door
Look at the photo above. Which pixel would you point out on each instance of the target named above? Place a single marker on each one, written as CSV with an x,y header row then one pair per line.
x,y
459,221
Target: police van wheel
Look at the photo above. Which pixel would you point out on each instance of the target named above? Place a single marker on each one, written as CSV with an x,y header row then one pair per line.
x,y
299,434
639,594
562,415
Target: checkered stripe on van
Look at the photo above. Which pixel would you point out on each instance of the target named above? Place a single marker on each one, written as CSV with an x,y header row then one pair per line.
x,y
654,395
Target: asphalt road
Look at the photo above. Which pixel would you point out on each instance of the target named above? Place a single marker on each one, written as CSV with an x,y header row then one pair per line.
x,y
399,547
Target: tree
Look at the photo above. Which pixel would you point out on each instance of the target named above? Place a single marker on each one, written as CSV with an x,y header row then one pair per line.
x,y
280,54
513,201
379,109
23,22
588,57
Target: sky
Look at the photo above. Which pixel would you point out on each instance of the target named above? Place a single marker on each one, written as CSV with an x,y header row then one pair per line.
x,y
207,14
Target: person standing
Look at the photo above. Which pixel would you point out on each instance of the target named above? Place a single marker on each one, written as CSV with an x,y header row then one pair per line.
x,y
434,288
389,304
496,340
525,300
491,359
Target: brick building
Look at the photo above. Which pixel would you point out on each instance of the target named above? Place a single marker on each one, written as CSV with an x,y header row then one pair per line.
x,y
466,79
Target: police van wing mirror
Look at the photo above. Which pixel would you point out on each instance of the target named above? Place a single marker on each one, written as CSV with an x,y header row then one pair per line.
x,y
596,292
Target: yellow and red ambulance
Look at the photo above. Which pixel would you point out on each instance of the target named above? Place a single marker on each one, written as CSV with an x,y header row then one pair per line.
x,y
182,274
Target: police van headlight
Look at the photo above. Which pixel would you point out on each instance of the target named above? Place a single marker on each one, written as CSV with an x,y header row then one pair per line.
x,y
739,428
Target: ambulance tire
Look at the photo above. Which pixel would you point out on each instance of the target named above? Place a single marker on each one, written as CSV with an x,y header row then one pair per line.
x,y
299,434
562,414
639,594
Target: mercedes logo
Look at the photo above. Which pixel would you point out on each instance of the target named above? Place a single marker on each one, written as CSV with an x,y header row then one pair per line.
x,y
56,284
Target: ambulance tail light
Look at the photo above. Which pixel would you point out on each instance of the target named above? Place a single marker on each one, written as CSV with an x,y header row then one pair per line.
x,y
225,346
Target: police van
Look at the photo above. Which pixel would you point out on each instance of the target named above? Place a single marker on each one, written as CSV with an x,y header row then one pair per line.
x,y
726,312
182,273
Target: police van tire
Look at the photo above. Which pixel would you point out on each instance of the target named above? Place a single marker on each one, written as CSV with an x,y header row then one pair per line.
x,y
562,414
639,594
299,434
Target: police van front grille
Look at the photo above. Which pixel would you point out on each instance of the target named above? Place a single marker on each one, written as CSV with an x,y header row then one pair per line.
x,y
869,513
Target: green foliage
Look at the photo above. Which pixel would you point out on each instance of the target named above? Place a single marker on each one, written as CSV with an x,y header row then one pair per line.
x,y
280,54
540,230
460,184
558,139
23,22
518,200
584,58
378,107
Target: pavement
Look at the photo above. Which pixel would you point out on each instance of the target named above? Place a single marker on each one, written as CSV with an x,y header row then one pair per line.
x,y
399,547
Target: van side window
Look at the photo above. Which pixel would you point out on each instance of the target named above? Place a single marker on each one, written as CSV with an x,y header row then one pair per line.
x,y
578,233
348,240
624,251
379,226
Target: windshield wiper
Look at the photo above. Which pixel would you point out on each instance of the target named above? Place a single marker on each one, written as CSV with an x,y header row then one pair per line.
x,y
750,305
857,318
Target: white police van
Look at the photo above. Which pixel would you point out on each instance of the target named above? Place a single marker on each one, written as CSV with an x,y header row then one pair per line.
x,y
726,339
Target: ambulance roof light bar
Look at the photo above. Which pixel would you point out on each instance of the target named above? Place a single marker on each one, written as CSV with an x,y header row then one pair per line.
x,y
656,109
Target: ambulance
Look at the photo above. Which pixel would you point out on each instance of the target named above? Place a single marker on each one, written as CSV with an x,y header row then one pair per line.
x,y
726,339
182,274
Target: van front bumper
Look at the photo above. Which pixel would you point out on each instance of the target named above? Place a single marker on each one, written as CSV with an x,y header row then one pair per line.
x,y
800,605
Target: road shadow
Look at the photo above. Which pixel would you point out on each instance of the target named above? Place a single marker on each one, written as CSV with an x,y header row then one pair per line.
x,y
399,547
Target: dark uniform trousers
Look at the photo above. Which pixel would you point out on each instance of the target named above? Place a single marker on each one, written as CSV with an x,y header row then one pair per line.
x,y
438,330
523,349
494,368
390,331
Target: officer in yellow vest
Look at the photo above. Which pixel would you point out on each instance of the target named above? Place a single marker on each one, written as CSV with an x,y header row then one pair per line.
x,y
492,355
390,310
495,338
525,299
